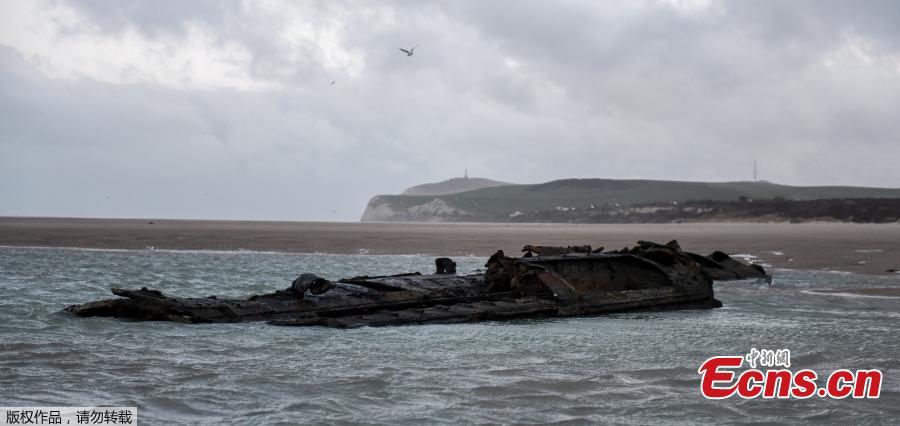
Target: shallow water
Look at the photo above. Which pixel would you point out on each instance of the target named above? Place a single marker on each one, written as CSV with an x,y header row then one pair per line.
x,y
635,368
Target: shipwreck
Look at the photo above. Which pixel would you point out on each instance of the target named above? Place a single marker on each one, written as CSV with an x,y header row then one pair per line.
x,y
545,282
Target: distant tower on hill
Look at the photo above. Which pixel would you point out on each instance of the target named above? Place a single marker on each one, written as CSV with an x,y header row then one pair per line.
x,y
754,171
466,173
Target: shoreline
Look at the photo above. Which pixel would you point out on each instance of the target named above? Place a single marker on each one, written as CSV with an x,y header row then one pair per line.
x,y
826,246
769,268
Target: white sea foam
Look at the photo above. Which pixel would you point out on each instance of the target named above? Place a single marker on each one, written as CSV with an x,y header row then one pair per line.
x,y
112,250
832,271
745,256
238,251
850,295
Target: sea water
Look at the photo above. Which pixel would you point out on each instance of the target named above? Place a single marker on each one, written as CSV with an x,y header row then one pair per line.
x,y
632,368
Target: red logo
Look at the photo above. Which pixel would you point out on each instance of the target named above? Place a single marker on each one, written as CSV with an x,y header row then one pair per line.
x,y
721,378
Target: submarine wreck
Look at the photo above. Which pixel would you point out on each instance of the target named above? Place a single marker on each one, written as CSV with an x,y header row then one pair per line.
x,y
545,282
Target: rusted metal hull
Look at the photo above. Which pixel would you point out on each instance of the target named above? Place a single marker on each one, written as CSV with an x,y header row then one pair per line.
x,y
649,276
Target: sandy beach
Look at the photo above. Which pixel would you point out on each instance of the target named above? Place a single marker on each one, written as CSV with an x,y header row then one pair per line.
x,y
858,248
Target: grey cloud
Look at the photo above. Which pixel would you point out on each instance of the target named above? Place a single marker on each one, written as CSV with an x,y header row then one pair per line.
x,y
516,91
164,16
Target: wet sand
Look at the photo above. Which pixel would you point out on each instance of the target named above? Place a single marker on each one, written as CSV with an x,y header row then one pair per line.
x,y
858,248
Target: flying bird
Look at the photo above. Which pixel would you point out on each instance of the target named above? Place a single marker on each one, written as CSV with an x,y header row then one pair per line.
x,y
332,82
410,51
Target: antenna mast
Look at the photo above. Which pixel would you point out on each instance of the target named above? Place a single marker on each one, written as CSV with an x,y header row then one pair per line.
x,y
754,171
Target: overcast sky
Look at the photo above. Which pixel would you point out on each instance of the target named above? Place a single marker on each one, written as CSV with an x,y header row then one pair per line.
x,y
225,109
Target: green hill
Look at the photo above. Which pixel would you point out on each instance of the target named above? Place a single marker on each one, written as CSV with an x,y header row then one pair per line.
x,y
500,204
453,186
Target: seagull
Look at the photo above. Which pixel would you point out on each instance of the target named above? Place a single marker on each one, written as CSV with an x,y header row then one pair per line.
x,y
410,51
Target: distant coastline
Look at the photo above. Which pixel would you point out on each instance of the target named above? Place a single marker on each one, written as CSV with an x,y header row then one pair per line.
x,y
633,201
